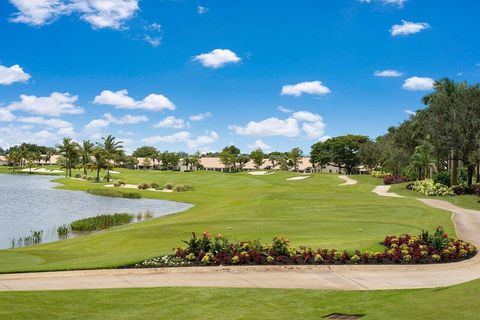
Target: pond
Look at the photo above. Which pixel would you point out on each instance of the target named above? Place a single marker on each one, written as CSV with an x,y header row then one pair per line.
x,y
30,203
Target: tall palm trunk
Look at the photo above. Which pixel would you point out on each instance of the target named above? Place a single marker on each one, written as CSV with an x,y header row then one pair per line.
x,y
454,168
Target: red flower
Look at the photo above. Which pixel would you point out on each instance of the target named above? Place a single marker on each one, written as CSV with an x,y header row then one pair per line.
x,y
206,234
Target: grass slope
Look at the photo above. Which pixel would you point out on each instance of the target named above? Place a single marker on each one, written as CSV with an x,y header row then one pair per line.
x,y
457,302
313,212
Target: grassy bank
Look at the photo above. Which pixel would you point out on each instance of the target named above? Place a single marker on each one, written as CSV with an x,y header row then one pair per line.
x,y
314,212
458,302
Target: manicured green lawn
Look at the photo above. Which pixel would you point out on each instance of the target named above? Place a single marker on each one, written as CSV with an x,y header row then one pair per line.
x,y
458,302
312,212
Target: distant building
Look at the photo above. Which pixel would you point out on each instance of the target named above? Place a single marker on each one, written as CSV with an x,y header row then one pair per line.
x,y
305,166
3,161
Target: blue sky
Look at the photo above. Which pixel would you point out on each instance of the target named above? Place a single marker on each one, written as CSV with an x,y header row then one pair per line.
x,y
199,75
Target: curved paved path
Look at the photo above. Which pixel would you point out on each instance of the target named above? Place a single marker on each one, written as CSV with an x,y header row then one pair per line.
x,y
342,277
348,181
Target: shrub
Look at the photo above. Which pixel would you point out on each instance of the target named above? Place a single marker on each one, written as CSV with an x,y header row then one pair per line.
x,y
394,179
183,188
121,182
404,249
144,186
169,186
101,222
380,174
443,177
458,190
78,176
63,232
154,185
429,188
116,184
114,193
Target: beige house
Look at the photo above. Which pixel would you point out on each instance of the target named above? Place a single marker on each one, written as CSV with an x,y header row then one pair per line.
x,y
214,164
3,161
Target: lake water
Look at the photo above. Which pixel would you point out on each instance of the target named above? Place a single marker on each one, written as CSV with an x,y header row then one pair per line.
x,y
30,202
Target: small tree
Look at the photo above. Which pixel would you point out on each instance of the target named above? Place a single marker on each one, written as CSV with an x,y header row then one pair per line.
x,y
294,157
257,157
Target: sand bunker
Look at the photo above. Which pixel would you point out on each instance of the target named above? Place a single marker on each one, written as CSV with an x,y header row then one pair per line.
x,y
298,178
134,186
260,173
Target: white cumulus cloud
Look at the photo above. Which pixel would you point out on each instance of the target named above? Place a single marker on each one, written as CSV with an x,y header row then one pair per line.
x,y
121,100
217,58
307,87
202,10
98,13
418,84
62,127
15,73
54,105
268,127
193,143
310,123
389,73
6,115
171,122
200,116
407,28
259,144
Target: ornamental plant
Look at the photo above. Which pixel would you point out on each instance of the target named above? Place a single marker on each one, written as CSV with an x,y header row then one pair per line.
x,y
380,174
206,250
394,179
429,188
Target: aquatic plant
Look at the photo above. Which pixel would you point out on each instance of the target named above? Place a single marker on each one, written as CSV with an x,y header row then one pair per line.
x,y
114,193
101,222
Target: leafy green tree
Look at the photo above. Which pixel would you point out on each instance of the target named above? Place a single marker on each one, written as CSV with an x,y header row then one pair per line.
x,y
319,155
257,157
344,150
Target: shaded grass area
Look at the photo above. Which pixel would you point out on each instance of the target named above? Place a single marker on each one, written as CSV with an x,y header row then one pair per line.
x,y
457,302
313,212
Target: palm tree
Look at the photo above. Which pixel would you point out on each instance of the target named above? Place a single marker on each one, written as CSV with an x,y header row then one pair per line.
x,y
195,160
86,151
69,150
295,155
421,160
98,162
111,147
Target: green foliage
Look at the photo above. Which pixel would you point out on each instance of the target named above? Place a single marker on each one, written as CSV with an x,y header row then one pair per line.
x,y
429,188
101,222
257,157
144,186
344,150
443,177
114,193
63,232
183,188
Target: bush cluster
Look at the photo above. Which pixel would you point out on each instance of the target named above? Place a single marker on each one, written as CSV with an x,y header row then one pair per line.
x,y
182,188
114,193
405,249
379,174
429,188
144,186
101,222
394,179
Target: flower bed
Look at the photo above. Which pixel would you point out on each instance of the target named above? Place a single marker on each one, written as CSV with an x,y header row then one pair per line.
x,y
394,179
405,249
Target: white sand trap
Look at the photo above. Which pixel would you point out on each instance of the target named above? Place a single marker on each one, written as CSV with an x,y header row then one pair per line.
x,y
114,172
383,192
298,178
134,186
348,181
260,173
